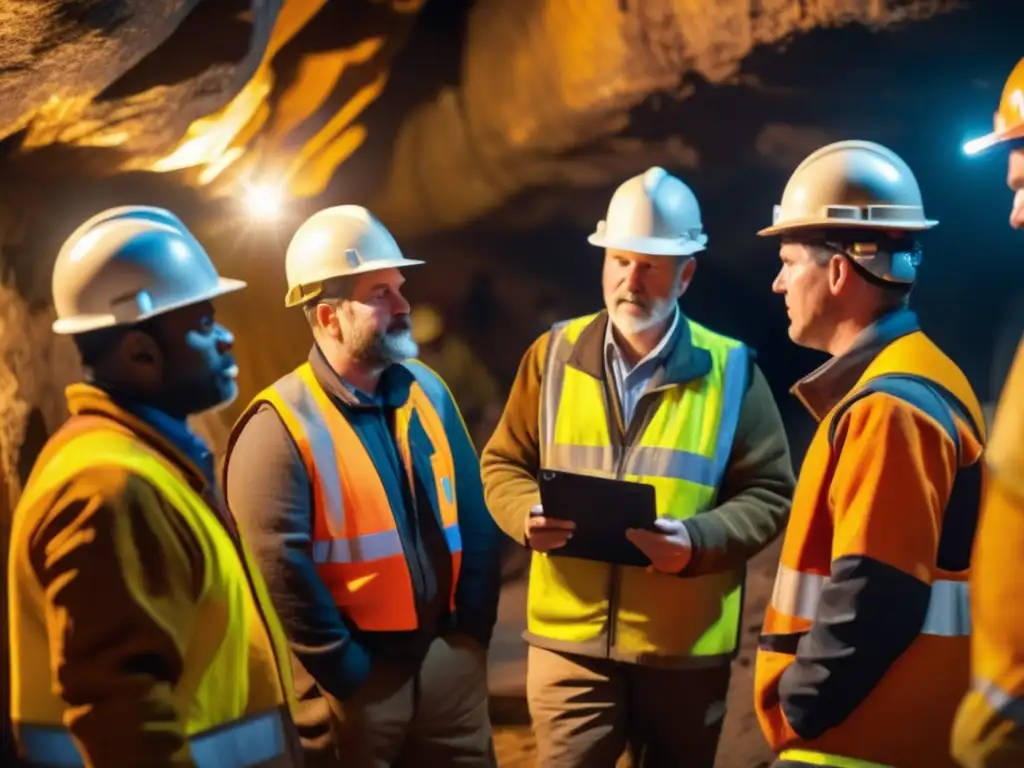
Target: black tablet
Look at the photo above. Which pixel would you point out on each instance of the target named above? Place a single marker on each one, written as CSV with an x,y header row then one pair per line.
x,y
602,510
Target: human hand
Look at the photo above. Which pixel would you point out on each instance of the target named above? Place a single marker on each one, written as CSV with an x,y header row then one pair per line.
x,y
669,549
546,533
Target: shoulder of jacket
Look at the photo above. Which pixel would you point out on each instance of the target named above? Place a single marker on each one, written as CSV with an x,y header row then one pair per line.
x,y
107,483
899,409
435,387
702,334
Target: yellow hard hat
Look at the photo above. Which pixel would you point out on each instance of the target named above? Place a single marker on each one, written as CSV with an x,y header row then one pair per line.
x,y
337,242
1008,123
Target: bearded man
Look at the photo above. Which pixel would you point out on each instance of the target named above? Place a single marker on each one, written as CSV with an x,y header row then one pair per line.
x,y
357,489
623,656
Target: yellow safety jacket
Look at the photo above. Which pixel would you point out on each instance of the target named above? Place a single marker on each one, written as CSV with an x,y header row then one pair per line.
x,y
682,450
989,728
234,689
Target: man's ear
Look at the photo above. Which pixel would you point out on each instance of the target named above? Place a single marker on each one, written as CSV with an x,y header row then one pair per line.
x,y
327,319
838,273
686,273
140,358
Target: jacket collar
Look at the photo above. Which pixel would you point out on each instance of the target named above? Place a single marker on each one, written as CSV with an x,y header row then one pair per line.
x,y
392,390
684,362
171,437
822,389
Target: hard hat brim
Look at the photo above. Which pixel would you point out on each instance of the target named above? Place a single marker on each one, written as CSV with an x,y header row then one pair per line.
x,y
296,296
70,326
984,143
800,225
649,246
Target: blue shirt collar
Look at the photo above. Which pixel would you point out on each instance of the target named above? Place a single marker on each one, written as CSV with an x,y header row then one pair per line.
x,y
176,431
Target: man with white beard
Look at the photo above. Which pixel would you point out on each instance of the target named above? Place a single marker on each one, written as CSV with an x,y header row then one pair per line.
x,y
623,656
357,490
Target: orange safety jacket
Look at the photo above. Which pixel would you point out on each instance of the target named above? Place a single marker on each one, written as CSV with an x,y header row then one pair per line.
x,y
356,544
864,652
989,730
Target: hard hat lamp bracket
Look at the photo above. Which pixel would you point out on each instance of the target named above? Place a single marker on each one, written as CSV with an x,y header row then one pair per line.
x,y
874,212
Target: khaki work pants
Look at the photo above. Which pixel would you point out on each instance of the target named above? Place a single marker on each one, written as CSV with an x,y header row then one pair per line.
x,y
435,715
586,712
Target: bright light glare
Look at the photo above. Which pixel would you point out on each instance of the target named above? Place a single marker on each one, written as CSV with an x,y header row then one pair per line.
x,y
974,146
263,202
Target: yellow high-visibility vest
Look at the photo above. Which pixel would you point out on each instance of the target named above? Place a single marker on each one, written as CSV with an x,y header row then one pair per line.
x,y
237,681
682,451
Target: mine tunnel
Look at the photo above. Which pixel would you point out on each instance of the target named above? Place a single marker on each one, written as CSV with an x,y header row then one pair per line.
x,y
488,137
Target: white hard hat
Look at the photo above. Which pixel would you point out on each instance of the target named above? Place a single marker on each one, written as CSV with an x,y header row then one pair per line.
x,y
130,264
337,242
145,212
653,213
851,185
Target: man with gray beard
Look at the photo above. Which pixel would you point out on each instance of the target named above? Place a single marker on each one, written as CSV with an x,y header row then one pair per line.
x,y
357,490
623,656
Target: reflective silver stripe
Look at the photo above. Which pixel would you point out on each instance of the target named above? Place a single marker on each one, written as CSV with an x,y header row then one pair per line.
x,y
304,408
360,549
372,546
645,460
1008,706
949,610
796,593
551,392
670,462
949,614
585,459
241,744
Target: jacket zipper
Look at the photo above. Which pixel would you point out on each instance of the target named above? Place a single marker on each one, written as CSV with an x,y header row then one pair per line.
x,y
410,550
622,447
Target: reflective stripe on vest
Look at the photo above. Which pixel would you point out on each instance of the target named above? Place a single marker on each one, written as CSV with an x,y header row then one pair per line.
x,y
672,463
653,461
1006,705
250,742
356,544
682,451
796,594
813,757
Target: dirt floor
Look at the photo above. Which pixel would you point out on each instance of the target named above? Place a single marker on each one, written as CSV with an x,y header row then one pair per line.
x,y
742,745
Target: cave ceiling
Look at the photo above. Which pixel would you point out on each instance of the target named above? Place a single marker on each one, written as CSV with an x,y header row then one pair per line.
x,y
438,114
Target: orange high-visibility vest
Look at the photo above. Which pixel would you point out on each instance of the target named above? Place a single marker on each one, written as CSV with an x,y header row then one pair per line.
x,y
356,543
905,720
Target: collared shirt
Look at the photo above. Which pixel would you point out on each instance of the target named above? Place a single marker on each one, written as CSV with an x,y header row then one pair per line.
x,y
631,383
176,431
